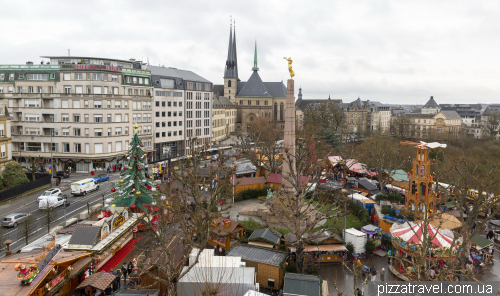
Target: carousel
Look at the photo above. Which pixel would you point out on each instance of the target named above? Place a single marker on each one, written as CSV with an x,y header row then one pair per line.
x,y
407,240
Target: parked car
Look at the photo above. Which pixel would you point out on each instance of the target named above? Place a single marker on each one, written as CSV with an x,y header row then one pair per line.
x,y
12,220
101,178
62,174
50,192
53,202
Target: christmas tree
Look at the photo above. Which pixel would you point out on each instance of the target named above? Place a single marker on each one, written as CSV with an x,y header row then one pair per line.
x,y
135,186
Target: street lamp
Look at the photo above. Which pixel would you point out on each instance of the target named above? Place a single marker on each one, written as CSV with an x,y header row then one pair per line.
x,y
51,158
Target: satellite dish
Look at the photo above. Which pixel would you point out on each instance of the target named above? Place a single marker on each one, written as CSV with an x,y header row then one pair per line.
x,y
157,82
179,84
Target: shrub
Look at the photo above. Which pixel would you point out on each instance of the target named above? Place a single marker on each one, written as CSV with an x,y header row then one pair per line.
x,y
249,194
1,184
386,210
391,196
12,172
360,212
386,242
21,181
350,248
291,267
312,269
370,245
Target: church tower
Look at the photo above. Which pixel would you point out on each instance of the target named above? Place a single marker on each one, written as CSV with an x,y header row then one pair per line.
x,y
231,70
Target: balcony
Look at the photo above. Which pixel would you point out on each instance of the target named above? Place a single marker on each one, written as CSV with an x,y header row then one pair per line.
x,y
70,95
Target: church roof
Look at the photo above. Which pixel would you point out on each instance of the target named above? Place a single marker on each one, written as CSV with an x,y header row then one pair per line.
x,y
431,103
275,89
254,87
222,102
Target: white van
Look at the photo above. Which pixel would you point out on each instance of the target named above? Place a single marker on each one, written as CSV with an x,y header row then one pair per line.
x,y
52,201
83,186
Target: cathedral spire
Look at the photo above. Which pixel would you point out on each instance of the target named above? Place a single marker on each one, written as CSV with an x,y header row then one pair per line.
x,y
230,70
300,94
234,51
255,68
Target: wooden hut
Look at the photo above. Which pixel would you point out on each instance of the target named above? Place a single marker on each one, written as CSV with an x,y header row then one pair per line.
x,y
224,232
265,238
322,246
268,263
249,183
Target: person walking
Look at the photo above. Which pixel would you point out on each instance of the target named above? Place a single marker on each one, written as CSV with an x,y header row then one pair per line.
x,y
130,267
374,274
389,254
124,272
382,274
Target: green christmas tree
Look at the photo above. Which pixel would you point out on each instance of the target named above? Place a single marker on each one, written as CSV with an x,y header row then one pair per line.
x,y
135,188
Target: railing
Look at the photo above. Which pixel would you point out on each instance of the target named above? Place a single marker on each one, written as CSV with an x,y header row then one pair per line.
x,y
46,66
59,95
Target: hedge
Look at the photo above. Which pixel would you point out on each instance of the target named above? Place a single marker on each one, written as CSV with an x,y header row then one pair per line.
x,y
249,194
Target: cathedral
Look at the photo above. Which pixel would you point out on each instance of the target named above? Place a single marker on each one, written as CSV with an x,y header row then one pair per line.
x,y
252,98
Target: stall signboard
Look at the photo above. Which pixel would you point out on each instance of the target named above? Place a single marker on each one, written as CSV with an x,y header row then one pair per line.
x,y
105,230
118,221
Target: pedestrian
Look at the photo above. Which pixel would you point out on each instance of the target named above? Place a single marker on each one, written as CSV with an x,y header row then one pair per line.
x,y
389,254
358,292
382,274
220,251
206,191
490,235
130,267
374,274
114,168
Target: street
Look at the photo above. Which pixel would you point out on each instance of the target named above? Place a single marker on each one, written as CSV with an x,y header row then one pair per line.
x,y
29,204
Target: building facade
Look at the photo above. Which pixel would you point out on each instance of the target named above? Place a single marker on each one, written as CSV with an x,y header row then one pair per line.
x,y
446,123
223,118
5,137
80,111
182,111
253,98
365,116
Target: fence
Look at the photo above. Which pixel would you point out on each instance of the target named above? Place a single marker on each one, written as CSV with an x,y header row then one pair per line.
x,y
10,193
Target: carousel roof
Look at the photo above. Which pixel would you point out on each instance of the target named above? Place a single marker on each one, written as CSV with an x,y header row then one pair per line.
x,y
413,233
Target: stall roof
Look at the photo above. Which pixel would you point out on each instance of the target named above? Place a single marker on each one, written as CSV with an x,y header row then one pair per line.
x,y
141,292
355,232
257,254
301,284
400,175
85,235
266,234
367,185
371,228
480,241
100,280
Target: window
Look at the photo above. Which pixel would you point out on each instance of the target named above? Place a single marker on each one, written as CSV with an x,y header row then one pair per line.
x,y
98,132
118,118
118,131
67,76
439,129
97,104
66,147
163,134
157,135
136,92
97,77
97,118
105,76
126,131
163,114
79,76
129,79
439,121
114,78
11,76
157,103
241,102
76,132
64,104
2,149
118,104
109,118
98,148
180,123
118,146
97,90
167,83
65,132
86,118
67,89
265,102
115,90
65,118
109,132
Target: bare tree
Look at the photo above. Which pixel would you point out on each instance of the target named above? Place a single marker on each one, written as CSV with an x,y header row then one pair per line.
x,y
34,166
401,126
186,212
295,208
26,228
384,154
49,215
491,124
326,122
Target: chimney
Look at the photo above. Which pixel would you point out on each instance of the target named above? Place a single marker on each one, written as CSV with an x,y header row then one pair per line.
x,y
432,97
29,63
132,60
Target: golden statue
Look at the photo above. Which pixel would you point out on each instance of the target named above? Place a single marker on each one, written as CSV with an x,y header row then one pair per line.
x,y
290,67
136,128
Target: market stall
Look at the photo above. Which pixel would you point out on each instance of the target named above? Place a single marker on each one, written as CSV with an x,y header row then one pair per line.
x,y
374,233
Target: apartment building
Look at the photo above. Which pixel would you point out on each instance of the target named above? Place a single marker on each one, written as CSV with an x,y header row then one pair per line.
x,y
444,124
5,139
223,118
80,111
182,111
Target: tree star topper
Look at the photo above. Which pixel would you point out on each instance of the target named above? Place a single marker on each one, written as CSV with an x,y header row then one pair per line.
x,y
136,128
290,66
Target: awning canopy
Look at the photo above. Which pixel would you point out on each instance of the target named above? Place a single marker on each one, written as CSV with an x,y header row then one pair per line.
x,y
332,248
480,241
413,233
100,280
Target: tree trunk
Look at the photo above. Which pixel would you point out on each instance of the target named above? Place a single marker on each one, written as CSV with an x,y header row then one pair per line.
x,y
300,257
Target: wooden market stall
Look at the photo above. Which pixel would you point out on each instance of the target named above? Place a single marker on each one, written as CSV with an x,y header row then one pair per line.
x,y
323,246
265,237
225,233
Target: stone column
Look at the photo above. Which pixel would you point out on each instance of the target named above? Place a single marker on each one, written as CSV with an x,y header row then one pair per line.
x,y
289,140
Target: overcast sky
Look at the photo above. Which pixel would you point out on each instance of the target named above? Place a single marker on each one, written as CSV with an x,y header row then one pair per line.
x,y
398,52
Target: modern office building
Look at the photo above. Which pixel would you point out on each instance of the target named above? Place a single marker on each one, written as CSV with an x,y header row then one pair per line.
x,y
182,111
80,111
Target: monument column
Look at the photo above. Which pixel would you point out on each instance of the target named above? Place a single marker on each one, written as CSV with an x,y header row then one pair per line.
x,y
289,139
